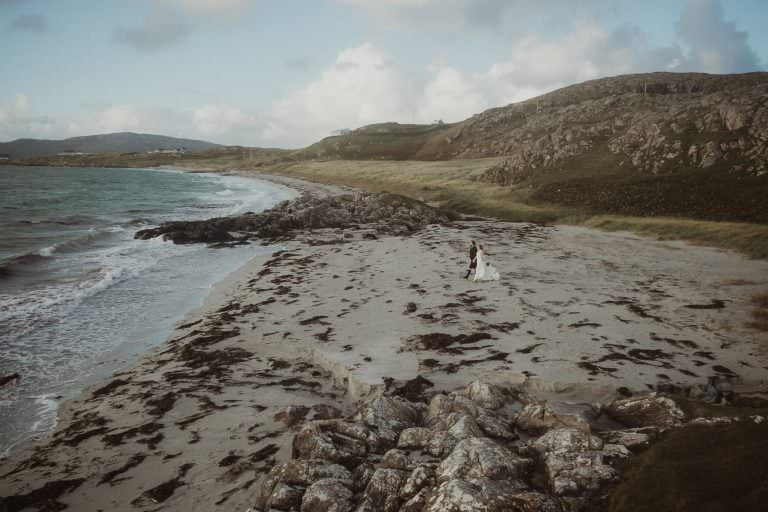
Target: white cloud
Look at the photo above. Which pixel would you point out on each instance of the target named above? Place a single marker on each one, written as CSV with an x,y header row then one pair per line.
x,y
17,122
363,86
211,5
715,45
220,120
22,102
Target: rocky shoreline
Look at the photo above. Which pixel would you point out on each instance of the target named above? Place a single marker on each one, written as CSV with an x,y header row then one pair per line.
x,y
355,369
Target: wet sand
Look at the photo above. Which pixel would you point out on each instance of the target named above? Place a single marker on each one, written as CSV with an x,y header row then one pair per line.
x,y
335,315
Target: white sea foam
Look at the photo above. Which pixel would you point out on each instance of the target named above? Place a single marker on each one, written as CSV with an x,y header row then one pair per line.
x,y
103,290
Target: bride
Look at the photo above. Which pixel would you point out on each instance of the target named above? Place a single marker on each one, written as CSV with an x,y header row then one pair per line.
x,y
485,271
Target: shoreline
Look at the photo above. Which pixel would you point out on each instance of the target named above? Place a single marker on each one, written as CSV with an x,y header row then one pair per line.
x,y
330,319
125,354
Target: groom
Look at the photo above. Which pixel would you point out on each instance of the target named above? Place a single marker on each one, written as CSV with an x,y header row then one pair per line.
x,y
472,260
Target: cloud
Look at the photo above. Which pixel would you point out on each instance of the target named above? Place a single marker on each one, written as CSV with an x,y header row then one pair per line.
x,y
716,45
17,122
22,102
221,120
445,17
159,30
211,5
302,63
30,23
364,85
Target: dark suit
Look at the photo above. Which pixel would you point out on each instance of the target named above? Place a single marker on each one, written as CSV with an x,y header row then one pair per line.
x,y
472,260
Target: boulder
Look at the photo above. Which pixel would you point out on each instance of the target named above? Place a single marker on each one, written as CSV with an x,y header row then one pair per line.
x,y
485,395
284,485
396,459
536,418
422,476
436,443
339,441
478,457
327,495
478,495
574,461
646,411
389,416
383,491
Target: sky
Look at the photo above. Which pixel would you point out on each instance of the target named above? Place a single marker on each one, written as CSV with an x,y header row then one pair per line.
x,y
286,73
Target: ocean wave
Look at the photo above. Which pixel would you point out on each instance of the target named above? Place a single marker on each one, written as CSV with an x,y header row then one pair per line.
x,y
11,266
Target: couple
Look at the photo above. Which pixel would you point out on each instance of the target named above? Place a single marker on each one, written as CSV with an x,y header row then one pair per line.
x,y
484,271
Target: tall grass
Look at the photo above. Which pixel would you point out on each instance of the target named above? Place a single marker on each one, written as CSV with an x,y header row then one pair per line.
x,y
452,184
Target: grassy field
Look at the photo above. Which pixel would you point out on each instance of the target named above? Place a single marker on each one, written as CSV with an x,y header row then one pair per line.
x,y
451,184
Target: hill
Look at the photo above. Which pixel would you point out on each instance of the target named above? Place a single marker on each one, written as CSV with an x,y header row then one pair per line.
x,y
123,142
656,144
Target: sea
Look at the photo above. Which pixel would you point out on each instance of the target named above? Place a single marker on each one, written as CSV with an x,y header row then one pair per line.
x,y
79,297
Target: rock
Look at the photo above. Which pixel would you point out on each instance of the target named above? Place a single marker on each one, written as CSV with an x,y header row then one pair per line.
x,y
495,427
463,426
636,439
339,441
382,492
284,485
646,411
389,213
389,416
414,438
362,475
437,443
5,379
574,461
485,395
284,497
417,502
478,495
291,415
482,458
395,459
327,495
423,476
564,440
537,418
325,412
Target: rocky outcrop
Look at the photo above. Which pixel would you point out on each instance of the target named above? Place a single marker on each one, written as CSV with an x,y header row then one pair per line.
x,y
462,452
654,123
381,212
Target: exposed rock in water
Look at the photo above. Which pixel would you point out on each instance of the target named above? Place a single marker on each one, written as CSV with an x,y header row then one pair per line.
x,y
386,213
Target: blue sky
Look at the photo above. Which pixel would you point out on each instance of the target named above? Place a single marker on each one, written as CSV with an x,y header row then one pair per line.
x,y
287,72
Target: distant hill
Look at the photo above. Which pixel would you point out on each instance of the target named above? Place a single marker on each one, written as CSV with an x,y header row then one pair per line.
x,y
123,142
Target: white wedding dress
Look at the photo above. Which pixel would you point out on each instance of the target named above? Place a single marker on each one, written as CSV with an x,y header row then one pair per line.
x,y
485,271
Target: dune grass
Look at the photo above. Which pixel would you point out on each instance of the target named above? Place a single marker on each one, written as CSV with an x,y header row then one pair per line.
x,y
451,184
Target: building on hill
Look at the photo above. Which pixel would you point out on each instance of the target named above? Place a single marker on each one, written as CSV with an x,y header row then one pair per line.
x,y
166,151
4,157
70,152
343,131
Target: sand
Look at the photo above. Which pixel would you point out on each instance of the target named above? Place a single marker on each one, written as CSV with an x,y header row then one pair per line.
x,y
333,315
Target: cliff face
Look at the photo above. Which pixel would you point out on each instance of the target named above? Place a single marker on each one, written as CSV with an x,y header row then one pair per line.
x,y
653,124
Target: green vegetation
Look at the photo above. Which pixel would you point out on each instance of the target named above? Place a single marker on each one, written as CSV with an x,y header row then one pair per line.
x,y
699,468
452,184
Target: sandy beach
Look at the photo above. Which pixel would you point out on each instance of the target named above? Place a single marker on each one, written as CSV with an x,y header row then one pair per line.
x,y
337,316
